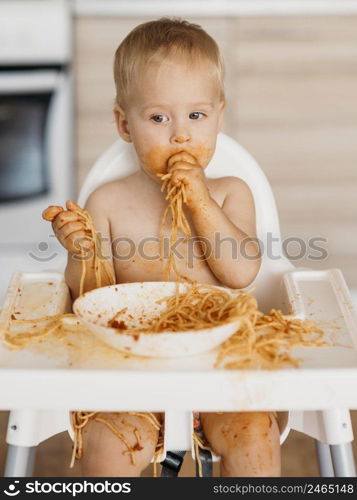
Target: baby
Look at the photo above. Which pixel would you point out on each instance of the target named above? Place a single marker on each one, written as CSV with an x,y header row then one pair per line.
x,y
169,105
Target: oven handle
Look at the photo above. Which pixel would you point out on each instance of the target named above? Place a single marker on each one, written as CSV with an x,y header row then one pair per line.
x,y
20,82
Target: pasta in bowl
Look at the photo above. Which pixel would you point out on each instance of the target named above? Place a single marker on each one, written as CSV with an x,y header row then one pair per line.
x,y
162,319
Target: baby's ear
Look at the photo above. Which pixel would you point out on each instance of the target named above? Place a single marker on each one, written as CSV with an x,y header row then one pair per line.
x,y
122,123
222,106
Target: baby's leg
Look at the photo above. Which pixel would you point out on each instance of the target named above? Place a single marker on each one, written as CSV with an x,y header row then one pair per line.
x,y
248,443
103,451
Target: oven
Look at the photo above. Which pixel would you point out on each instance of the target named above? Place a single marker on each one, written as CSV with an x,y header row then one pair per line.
x,y
35,151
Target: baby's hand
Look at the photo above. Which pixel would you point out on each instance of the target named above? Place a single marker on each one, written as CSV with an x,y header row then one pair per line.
x,y
185,170
69,228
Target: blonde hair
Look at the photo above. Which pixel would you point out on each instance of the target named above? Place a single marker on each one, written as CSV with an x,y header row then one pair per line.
x,y
154,41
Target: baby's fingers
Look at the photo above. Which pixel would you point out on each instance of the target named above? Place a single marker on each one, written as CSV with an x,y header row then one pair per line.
x,y
179,177
69,228
51,212
180,165
76,241
65,218
71,205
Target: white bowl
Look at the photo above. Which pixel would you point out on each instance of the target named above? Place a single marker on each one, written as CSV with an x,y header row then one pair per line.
x,y
97,307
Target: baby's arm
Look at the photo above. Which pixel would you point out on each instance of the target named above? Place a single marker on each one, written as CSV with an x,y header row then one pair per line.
x,y
225,231
95,205
72,231
230,231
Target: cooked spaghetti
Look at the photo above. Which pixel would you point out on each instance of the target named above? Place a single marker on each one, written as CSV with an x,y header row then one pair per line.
x,y
80,419
34,330
98,263
176,197
266,340
92,236
202,306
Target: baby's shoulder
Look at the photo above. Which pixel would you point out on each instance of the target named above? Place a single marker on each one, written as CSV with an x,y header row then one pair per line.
x,y
105,195
231,185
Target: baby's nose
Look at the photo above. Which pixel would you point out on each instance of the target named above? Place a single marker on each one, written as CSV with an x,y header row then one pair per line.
x,y
181,139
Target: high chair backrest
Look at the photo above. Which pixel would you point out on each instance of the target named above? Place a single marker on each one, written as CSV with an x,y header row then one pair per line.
x,y
229,159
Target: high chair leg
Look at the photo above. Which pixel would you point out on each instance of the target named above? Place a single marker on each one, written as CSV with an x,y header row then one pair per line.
x,y
342,459
206,463
20,461
172,464
324,459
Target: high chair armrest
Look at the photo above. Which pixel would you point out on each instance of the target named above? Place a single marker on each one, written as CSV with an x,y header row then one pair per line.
x,y
321,296
33,295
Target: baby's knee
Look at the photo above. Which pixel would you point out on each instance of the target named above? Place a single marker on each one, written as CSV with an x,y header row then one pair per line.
x,y
118,444
229,432
248,443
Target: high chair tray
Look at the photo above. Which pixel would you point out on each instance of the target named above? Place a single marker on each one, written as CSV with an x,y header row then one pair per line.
x,y
51,377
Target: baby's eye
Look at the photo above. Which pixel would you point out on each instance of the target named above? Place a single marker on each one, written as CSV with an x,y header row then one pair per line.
x,y
194,115
158,116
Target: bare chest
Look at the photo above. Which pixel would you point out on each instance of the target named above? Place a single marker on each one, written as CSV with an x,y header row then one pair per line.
x,y
141,241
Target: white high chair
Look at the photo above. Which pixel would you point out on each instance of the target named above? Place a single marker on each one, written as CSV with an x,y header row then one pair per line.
x,y
317,394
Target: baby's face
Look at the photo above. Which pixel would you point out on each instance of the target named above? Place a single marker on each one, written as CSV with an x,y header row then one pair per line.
x,y
173,108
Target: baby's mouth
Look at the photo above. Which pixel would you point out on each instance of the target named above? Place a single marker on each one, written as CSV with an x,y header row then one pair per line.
x,y
187,160
182,151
